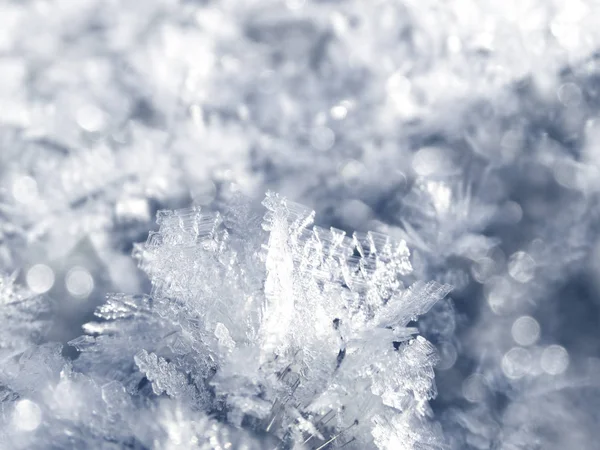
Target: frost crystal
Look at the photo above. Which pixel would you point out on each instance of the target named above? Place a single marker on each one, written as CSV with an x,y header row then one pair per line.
x,y
22,317
288,330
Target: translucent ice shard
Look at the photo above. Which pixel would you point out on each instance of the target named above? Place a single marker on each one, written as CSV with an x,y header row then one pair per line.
x,y
163,375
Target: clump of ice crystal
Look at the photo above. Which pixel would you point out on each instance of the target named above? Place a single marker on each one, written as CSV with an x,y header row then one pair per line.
x,y
257,334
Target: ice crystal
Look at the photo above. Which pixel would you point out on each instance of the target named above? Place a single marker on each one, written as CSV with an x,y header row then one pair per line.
x,y
285,329
467,129
23,315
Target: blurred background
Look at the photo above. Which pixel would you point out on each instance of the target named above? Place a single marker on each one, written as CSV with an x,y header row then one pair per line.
x,y
468,128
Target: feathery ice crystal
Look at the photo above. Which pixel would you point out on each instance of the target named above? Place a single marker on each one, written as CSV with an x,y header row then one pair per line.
x,y
257,334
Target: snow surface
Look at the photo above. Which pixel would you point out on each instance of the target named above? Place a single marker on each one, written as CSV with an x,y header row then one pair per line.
x,y
466,130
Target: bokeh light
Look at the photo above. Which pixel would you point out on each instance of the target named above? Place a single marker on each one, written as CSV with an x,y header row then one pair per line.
x,y
516,362
525,330
40,278
27,415
25,189
555,360
79,282
521,267
474,388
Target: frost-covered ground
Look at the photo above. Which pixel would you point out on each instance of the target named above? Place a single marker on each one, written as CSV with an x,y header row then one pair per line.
x,y
464,130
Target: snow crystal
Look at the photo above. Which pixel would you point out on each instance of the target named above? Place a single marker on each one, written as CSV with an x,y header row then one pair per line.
x,y
295,334
466,130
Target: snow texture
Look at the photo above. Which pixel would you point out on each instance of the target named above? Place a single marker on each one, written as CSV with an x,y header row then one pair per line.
x,y
293,332
466,129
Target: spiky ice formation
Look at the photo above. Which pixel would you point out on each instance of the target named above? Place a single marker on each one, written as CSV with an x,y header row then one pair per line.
x,y
297,334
